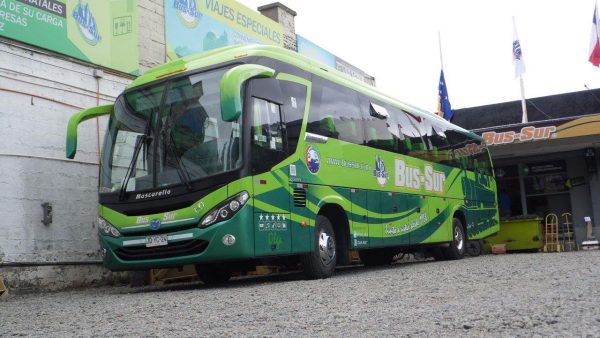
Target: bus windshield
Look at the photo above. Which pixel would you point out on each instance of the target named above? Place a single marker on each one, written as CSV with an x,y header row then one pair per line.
x,y
169,134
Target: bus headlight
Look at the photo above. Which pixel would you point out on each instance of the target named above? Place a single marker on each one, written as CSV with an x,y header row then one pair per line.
x,y
107,229
225,210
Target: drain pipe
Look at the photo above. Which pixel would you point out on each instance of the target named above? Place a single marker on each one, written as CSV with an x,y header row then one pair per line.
x,y
98,74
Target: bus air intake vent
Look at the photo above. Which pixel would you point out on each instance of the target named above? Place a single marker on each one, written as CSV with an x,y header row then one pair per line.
x,y
183,248
300,197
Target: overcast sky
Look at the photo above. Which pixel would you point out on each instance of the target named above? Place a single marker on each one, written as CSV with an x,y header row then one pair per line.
x,y
397,42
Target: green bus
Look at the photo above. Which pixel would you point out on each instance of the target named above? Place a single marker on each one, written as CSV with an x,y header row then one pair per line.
x,y
251,155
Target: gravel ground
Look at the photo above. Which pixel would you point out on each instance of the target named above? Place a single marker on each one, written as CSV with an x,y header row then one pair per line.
x,y
502,296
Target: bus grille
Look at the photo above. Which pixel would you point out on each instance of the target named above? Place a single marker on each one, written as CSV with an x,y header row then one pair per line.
x,y
299,197
183,248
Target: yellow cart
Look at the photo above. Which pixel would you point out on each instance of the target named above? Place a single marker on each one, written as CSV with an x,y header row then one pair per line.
x,y
519,233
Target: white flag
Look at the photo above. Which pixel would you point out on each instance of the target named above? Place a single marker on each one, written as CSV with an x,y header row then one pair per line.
x,y
517,53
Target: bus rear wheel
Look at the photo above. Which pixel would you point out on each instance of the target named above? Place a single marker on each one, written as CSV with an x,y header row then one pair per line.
x,y
321,261
474,248
212,274
457,247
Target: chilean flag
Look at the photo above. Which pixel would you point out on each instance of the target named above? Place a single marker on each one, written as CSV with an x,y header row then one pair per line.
x,y
595,40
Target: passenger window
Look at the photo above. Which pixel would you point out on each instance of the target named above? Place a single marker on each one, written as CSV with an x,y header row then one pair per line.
x,y
437,141
414,142
382,127
335,112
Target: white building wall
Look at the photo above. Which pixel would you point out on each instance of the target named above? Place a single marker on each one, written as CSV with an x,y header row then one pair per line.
x,y
39,92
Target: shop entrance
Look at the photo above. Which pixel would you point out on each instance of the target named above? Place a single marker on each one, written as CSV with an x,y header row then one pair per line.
x,y
536,188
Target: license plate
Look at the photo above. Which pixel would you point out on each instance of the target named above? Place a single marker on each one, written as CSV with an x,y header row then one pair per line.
x,y
158,240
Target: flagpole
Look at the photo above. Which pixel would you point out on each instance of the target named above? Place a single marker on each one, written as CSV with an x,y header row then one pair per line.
x,y
523,104
440,47
524,118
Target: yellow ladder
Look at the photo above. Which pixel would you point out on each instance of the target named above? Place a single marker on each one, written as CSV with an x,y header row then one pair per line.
x,y
551,243
568,234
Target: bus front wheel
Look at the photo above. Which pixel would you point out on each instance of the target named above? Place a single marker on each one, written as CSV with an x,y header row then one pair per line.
x,y
321,261
457,247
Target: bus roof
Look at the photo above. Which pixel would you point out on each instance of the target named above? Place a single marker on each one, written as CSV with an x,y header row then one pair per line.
x,y
231,53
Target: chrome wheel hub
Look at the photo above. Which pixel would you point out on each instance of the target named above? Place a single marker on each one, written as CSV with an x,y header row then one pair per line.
x,y
458,239
326,248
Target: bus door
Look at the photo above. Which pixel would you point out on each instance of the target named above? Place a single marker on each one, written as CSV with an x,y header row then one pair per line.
x,y
295,91
268,148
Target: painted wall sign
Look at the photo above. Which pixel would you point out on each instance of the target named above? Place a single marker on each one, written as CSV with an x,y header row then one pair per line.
x,y
584,126
314,51
529,133
97,31
194,26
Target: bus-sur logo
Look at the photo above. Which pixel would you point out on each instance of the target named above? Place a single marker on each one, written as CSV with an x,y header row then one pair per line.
x,y
187,12
313,159
410,177
380,173
86,24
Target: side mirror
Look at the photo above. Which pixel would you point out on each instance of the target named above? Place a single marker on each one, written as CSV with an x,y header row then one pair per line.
x,y
76,119
231,88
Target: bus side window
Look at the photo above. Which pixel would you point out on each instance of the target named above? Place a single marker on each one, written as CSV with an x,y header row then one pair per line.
x,y
409,127
381,126
333,103
460,147
440,148
294,100
483,165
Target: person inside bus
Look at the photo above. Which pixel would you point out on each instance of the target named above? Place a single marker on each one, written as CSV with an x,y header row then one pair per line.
x,y
187,139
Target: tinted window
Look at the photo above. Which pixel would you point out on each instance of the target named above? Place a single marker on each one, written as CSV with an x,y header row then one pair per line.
x,y
471,153
414,142
268,143
294,99
481,162
335,112
382,127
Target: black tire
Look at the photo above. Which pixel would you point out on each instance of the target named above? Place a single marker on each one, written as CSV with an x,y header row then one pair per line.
x,y
376,257
474,248
321,262
212,274
458,246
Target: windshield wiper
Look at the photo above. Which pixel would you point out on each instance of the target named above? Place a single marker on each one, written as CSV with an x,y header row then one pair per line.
x,y
182,172
141,139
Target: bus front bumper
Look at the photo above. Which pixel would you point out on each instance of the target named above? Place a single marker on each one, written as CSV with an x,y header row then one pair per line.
x,y
183,247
